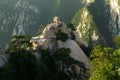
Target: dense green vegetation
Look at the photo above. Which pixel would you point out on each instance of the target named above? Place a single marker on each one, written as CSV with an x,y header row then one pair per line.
x,y
19,42
60,35
77,18
117,41
105,63
73,36
23,65
71,26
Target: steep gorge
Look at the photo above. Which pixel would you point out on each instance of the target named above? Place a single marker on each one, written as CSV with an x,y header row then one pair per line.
x,y
105,17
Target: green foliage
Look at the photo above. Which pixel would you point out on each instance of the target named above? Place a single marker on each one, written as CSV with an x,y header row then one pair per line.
x,y
105,64
99,52
19,67
73,36
87,50
86,27
119,2
43,73
50,62
116,58
71,26
77,18
60,35
117,41
63,55
22,64
19,42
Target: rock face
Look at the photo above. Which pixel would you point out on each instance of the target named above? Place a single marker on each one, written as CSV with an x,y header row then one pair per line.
x,y
48,40
114,22
58,47
3,59
76,51
86,27
101,22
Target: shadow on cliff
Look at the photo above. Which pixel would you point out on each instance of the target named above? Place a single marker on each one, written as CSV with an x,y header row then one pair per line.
x,y
101,19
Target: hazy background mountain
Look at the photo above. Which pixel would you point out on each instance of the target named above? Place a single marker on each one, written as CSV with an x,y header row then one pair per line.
x,y
27,16
66,9
96,21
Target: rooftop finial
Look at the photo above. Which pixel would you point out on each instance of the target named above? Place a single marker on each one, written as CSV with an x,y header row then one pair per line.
x,y
57,20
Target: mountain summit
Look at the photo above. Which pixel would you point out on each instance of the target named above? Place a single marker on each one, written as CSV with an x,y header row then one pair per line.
x,y
55,52
58,35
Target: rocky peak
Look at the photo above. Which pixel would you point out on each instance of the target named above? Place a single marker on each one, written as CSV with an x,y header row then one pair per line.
x,y
57,35
58,47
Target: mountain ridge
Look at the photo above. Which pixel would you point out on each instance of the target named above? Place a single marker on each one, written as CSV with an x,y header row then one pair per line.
x,y
58,45
52,39
106,19
30,16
